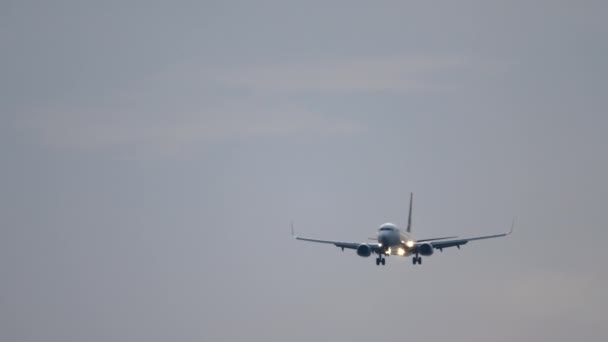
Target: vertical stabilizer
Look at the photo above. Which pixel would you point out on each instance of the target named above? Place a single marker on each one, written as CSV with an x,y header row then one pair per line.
x,y
409,218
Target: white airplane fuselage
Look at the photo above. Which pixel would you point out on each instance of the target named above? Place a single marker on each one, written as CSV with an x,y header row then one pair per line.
x,y
394,241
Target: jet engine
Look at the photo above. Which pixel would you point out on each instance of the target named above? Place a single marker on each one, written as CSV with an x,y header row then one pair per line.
x,y
425,249
364,250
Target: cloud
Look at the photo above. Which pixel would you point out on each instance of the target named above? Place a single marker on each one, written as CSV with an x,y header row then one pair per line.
x,y
394,74
171,133
182,108
550,295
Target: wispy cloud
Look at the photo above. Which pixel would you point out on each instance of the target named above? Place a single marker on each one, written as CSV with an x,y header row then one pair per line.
x,y
394,74
181,108
547,295
96,129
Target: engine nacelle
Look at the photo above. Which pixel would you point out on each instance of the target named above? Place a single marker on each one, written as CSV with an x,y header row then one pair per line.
x,y
364,250
426,249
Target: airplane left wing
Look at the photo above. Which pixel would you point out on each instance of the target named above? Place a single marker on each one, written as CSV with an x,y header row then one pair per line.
x,y
459,242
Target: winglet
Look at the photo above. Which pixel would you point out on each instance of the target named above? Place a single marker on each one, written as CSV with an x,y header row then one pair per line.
x,y
512,226
292,232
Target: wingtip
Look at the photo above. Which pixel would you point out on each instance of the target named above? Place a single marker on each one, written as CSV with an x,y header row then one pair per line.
x,y
512,226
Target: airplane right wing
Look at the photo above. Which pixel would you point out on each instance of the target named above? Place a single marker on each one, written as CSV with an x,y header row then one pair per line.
x,y
348,245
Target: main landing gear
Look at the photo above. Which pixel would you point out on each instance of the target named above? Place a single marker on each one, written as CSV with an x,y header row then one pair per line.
x,y
380,260
417,260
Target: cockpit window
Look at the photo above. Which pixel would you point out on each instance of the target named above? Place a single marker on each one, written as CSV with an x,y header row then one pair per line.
x,y
388,227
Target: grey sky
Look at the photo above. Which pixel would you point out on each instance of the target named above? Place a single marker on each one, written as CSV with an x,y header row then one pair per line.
x,y
154,153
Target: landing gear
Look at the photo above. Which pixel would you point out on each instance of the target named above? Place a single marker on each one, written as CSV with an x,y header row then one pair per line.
x,y
417,260
380,260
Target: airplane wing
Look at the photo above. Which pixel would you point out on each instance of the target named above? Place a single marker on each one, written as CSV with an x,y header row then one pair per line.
x,y
459,242
348,245
434,239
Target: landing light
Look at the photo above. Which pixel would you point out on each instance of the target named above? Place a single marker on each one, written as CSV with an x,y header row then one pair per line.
x,y
409,243
401,252
388,251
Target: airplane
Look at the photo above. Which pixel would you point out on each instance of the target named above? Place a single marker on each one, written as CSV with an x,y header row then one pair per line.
x,y
392,241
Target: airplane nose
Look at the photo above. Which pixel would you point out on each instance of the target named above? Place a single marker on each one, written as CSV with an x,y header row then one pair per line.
x,y
384,240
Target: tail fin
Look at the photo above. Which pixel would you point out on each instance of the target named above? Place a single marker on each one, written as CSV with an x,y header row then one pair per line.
x,y
409,218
